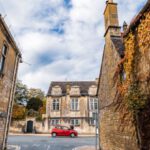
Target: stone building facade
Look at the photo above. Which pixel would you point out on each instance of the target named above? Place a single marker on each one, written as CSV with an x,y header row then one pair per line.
x,y
9,59
124,88
72,103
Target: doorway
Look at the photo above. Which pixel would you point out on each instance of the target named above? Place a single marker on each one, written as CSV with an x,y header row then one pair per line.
x,y
29,126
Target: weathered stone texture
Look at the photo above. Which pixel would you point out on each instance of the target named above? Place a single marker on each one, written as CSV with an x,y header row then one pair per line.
x,y
117,130
116,127
120,128
7,79
137,41
108,91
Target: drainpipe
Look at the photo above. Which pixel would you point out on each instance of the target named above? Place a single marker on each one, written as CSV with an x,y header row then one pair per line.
x,y
98,118
11,100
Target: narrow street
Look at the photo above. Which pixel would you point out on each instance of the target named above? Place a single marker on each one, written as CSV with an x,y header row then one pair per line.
x,y
48,143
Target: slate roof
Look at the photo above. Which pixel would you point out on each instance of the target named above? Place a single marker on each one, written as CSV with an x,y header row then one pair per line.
x,y
118,43
83,85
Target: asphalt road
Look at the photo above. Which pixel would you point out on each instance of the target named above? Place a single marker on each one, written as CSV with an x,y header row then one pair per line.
x,y
49,143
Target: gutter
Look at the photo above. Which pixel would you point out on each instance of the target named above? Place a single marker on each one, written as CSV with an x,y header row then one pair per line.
x,y
9,35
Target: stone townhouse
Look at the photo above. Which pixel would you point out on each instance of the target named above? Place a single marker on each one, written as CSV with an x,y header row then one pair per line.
x,y
9,59
124,85
72,103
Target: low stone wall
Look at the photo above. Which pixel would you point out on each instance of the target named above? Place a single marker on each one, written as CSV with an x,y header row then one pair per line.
x,y
21,127
17,126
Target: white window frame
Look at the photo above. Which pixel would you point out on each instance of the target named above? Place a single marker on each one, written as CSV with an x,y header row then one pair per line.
x,y
55,104
74,104
55,122
93,103
75,122
92,122
3,58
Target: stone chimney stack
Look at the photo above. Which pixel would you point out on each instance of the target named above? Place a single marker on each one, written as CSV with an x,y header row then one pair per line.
x,y
125,26
68,88
111,19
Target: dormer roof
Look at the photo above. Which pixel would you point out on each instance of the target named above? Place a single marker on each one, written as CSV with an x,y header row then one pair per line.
x,y
83,85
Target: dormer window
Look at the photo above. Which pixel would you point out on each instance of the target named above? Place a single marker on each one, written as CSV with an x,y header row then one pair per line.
x,y
93,90
56,91
75,91
3,58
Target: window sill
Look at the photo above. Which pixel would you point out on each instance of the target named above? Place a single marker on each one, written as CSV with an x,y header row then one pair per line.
x,y
76,125
91,125
75,95
55,110
94,110
57,96
75,110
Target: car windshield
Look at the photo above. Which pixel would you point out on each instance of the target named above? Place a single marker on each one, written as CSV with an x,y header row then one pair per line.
x,y
58,127
65,128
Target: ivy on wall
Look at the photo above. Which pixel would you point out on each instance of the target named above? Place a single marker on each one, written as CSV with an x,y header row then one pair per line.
x,y
135,98
136,43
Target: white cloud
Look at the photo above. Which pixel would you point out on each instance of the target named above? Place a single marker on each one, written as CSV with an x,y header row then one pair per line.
x,y
73,55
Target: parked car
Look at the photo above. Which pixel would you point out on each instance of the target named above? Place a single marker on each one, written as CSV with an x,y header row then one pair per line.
x,y
63,131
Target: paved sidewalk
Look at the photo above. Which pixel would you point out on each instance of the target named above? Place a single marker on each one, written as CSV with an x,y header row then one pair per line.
x,y
85,148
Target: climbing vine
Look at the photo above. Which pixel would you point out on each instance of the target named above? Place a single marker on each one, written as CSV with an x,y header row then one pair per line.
x,y
135,98
136,43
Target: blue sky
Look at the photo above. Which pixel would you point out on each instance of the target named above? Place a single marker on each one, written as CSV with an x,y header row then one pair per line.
x,y
61,39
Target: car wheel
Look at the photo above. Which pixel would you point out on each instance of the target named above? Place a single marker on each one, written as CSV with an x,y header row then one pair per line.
x,y
72,135
53,134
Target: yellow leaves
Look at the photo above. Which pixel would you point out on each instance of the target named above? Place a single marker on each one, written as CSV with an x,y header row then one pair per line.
x,y
18,112
129,55
42,110
144,33
136,43
122,89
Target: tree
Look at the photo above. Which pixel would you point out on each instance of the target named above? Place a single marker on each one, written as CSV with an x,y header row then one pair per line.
x,y
34,103
19,112
21,93
42,109
35,93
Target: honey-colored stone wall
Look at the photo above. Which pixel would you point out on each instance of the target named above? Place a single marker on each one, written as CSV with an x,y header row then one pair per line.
x,y
117,131
124,122
6,81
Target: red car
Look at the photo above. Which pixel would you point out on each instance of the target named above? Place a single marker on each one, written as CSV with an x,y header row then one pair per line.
x,y
63,131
